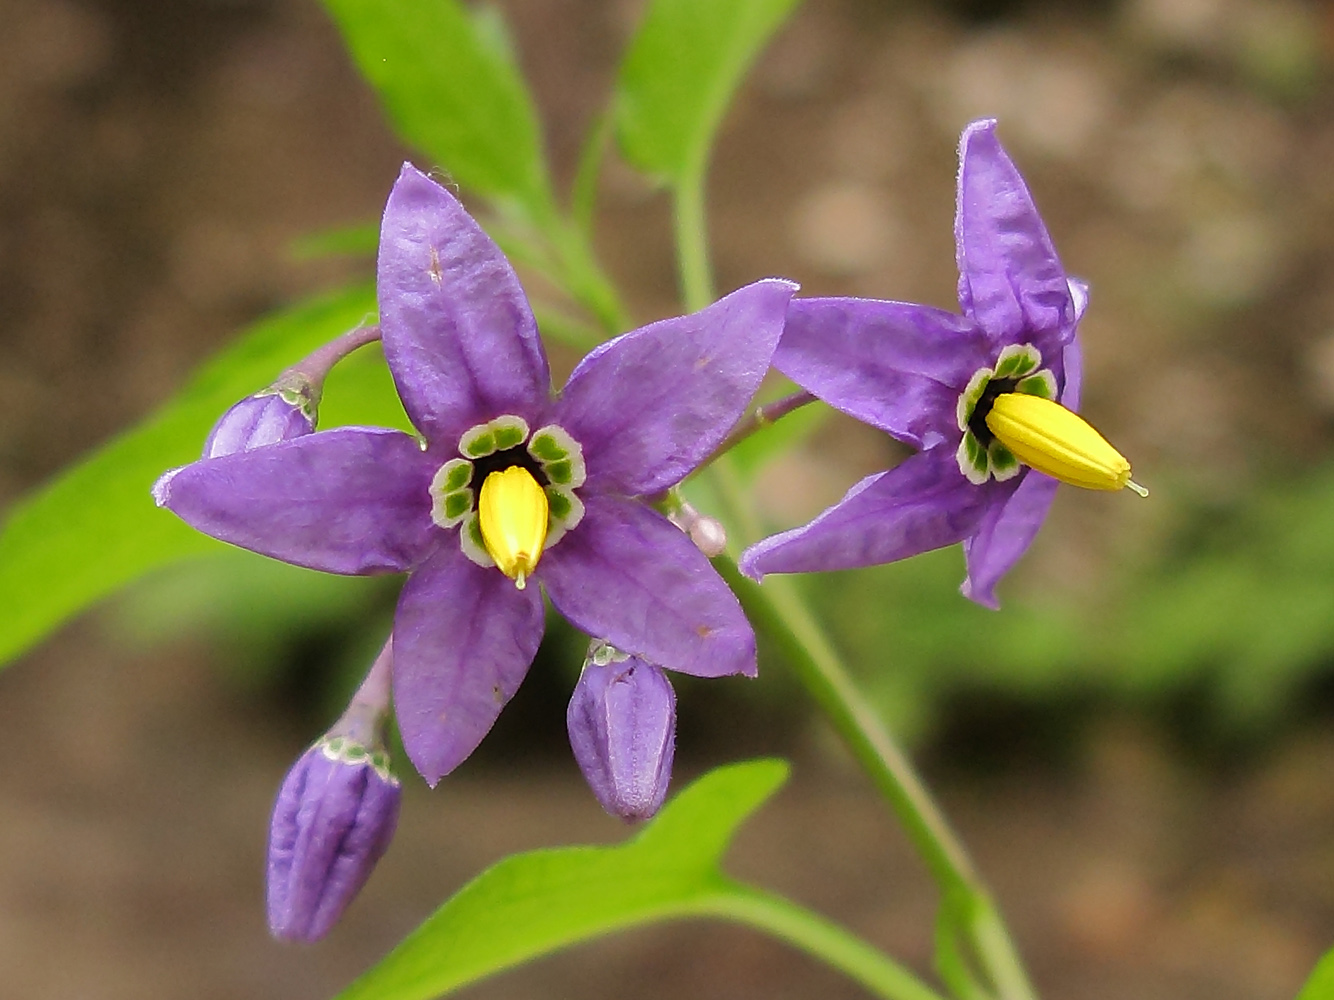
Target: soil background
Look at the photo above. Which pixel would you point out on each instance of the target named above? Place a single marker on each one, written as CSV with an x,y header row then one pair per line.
x,y
158,158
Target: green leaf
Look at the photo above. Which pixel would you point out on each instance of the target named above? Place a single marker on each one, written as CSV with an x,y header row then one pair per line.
x,y
535,903
95,528
452,88
360,240
679,75
1321,984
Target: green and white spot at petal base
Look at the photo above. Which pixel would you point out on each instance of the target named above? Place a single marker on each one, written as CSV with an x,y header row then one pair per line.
x,y
564,511
561,456
1041,383
971,395
500,434
471,542
451,493
973,461
1001,461
1016,361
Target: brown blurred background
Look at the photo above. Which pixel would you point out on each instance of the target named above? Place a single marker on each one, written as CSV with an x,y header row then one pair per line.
x,y
1153,802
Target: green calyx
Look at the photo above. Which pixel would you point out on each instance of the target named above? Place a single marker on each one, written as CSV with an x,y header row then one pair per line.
x,y
343,750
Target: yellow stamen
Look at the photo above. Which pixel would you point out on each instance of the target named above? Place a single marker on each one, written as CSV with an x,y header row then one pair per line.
x,y
1045,435
512,511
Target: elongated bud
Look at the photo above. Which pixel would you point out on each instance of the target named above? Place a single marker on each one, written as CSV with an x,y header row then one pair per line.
x,y
622,722
335,815
276,414
512,510
1045,435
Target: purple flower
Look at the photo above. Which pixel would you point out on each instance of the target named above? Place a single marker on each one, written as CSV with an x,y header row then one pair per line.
x,y
622,722
508,483
334,818
932,379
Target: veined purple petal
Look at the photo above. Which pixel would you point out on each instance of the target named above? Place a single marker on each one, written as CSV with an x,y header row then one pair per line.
x,y
464,637
622,723
332,822
458,333
652,404
1010,279
627,575
894,365
353,500
922,504
1004,536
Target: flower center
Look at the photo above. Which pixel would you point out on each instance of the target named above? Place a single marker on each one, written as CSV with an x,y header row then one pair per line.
x,y
512,513
1045,435
512,493
1009,415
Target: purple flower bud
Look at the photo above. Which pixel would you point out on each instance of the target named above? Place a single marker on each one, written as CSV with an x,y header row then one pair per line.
x,y
622,722
335,815
262,419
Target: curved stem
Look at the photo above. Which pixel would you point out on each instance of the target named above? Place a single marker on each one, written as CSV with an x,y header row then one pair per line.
x,y
818,937
315,367
757,419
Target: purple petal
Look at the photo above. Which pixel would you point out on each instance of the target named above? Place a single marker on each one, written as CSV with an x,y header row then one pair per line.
x,y
894,365
622,723
458,333
464,637
652,404
627,575
1004,536
925,503
354,500
1010,279
332,822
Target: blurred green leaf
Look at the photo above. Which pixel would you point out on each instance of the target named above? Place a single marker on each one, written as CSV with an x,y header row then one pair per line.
x,y
450,83
535,903
360,240
679,75
1321,984
95,528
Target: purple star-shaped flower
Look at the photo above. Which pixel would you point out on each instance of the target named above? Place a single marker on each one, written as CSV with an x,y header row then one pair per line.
x,y
927,377
636,416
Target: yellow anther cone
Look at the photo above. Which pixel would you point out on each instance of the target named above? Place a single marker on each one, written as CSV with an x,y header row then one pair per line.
x,y
512,511
1048,437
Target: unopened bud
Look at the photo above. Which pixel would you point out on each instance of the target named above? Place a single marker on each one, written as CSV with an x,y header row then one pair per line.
x,y
708,533
622,722
268,417
709,536
335,815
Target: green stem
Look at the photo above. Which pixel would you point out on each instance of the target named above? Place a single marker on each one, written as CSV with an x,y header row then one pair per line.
x,y
819,938
692,239
778,612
